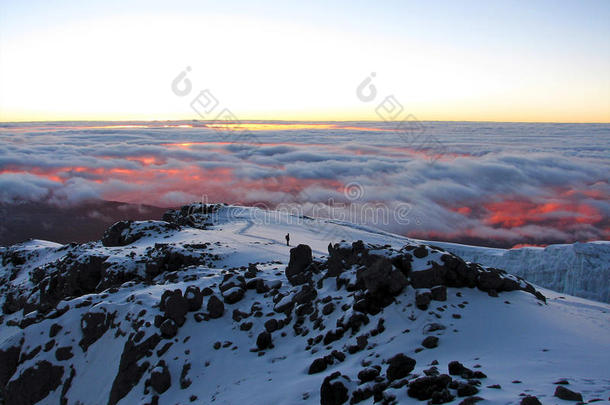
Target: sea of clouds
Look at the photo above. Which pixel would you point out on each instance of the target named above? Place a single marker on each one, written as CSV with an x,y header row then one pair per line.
x,y
493,183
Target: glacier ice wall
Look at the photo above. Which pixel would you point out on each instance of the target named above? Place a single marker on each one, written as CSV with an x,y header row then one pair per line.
x,y
580,269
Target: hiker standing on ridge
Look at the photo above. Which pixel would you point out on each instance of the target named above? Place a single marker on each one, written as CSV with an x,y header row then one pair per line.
x,y
287,239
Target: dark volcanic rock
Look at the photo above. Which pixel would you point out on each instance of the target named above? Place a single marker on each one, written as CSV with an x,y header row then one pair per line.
x,y
567,394
354,322
530,400
194,297
368,374
185,382
123,233
194,215
424,387
361,394
160,378
490,280
305,295
441,397
317,366
454,272
54,330
457,368
429,278
233,295
466,390
430,342
114,235
271,325
400,366
420,252
381,278
439,293
215,307
333,390
64,353
62,278
34,384
300,259
168,328
9,358
263,341
422,299
328,308
94,325
175,306
130,372
471,400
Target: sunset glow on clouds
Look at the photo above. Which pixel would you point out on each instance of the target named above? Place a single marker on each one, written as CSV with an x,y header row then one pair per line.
x,y
474,183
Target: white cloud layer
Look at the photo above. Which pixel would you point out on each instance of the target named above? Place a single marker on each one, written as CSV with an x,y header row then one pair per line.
x,y
507,182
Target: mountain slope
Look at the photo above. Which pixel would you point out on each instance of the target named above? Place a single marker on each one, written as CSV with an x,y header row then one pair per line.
x,y
213,307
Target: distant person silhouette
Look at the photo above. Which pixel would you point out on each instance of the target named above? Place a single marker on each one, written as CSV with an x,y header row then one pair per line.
x,y
287,239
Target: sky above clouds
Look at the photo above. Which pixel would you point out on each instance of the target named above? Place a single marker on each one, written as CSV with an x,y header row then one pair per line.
x,y
472,60
489,183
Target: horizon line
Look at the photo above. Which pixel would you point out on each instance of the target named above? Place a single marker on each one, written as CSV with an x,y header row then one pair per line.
x,y
296,121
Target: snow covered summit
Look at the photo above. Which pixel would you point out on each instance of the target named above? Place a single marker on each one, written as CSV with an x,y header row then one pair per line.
x,y
211,306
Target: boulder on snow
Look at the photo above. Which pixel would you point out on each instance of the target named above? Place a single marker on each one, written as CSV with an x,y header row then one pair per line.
x,y
168,328
333,390
263,341
530,400
467,401
439,293
194,297
490,280
423,298
300,259
466,390
272,325
368,374
420,252
381,278
305,295
567,394
317,366
425,387
429,278
175,306
399,367
430,342
160,378
215,307
457,368
233,295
